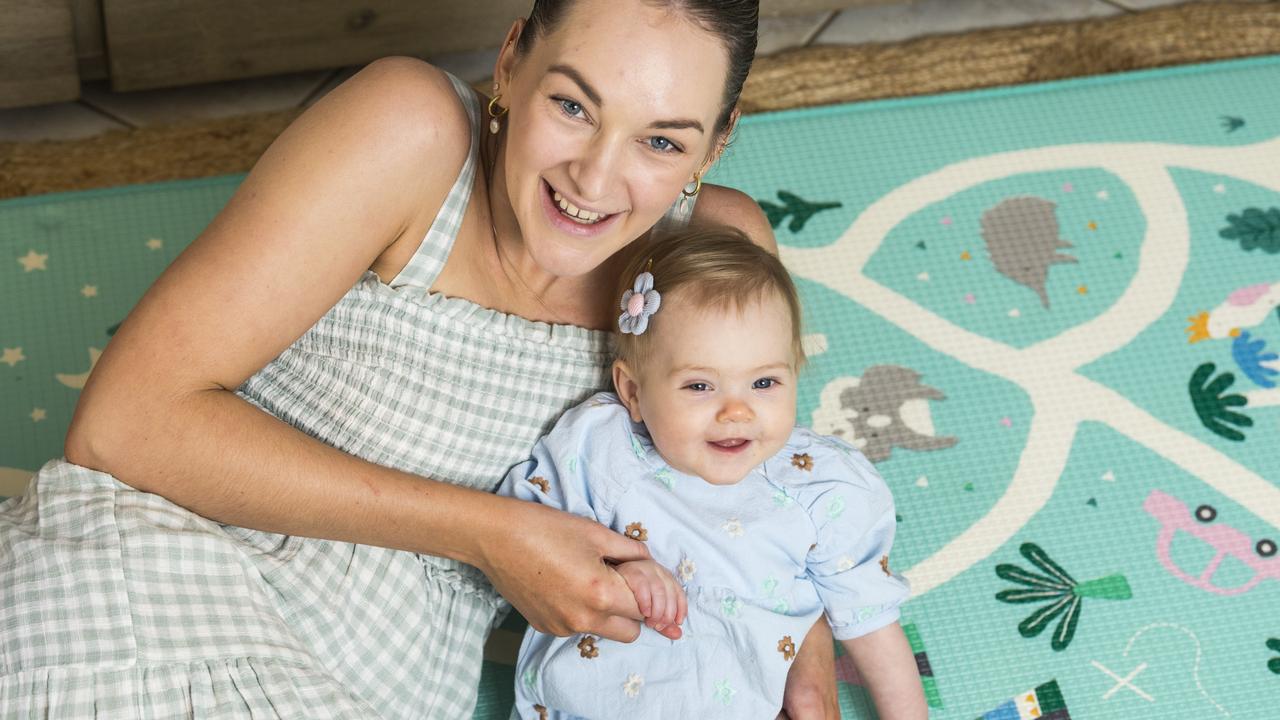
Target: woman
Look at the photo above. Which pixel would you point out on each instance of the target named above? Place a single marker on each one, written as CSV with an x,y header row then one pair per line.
x,y
393,266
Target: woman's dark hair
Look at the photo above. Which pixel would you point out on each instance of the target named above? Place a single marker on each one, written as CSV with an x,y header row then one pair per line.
x,y
734,22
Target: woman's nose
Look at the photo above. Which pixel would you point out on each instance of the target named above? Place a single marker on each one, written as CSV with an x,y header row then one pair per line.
x,y
735,410
596,171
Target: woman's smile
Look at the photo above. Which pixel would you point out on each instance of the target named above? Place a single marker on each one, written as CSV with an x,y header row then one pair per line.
x,y
562,214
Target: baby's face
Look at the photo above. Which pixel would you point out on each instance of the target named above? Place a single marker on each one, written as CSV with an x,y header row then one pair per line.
x,y
718,394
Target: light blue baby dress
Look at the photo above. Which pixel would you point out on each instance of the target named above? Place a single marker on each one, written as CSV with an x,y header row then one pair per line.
x,y
807,531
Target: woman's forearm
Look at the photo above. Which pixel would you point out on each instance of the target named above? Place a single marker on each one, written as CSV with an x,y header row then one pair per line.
x,y
218,456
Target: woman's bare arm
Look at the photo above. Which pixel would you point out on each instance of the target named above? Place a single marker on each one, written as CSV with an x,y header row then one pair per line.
x,y
329,196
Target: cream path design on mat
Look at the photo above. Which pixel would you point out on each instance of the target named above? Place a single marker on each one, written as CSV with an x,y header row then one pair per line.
x,y
1047,371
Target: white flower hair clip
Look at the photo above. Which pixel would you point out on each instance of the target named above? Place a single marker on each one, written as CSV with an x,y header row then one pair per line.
x,y
638,305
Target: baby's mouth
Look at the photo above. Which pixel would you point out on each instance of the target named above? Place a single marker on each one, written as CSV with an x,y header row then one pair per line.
x,y
730,445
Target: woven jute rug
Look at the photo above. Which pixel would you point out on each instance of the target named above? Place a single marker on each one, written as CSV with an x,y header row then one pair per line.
x,y
820,75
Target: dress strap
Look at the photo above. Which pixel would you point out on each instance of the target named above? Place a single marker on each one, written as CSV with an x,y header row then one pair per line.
x,y
428,260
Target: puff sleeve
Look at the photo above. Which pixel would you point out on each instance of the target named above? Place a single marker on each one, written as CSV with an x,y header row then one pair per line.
x,y
558,471
855,520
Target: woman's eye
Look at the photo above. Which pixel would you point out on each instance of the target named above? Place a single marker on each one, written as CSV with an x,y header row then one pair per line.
x,y
662,144
570,108
764,383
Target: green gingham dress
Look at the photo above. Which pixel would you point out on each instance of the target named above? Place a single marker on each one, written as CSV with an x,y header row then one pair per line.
x,y
117,603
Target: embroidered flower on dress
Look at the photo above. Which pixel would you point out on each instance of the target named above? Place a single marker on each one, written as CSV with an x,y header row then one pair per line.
x,y
802,461
633,684
665,477
844,563
636,531
724,692
638,305
733,526
836,508
781,498
731,606
542,712
884,564
541,482
686,569
530,677
787,648
587,647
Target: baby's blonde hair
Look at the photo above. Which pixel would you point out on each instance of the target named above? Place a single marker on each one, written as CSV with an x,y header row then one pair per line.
x,y
709,267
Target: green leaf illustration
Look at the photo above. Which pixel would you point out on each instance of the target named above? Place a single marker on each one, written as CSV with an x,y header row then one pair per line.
x,y
1254,228
1212,405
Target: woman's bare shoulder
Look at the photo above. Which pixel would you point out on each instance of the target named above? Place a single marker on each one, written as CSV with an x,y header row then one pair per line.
x,y
727,206
407,103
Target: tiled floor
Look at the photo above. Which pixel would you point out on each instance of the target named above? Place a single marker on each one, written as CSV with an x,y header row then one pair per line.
x,y
99,109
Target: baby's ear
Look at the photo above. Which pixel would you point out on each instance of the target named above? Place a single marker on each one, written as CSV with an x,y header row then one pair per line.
x,y
628,389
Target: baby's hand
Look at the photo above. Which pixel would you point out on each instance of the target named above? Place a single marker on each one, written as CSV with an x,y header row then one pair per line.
x,y
660,597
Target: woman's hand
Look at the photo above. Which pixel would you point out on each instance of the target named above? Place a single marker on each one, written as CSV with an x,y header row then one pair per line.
x,y
811,683
660,597
555,568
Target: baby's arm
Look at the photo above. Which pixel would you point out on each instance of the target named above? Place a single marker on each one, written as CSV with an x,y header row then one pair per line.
x,y
888,669
659,596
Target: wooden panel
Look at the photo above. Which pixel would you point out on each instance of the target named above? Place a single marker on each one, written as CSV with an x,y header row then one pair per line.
x,y
37,55
158,43
91,52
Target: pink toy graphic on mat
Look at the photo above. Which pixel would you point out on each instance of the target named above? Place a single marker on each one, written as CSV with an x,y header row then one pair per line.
x,y
1245,308
1226,540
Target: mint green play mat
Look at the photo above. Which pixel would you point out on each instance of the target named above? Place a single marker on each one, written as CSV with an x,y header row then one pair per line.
x,y
1047,313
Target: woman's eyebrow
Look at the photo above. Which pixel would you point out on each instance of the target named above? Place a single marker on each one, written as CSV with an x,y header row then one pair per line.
x,y
576,76
594,97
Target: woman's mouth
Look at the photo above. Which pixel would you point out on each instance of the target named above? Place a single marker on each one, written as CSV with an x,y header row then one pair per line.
x,y
568,217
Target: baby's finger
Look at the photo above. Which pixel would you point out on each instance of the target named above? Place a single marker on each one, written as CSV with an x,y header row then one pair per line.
x,y
658,607
644,597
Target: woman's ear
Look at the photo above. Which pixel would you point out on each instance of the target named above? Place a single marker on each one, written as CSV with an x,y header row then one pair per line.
x,y
505,65
625,383
722,142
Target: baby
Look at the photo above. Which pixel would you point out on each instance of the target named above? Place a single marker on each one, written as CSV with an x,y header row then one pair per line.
x,y
755,526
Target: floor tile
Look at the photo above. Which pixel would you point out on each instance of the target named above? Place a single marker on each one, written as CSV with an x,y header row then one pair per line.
x,y
780,33
59,121
213,100
887,23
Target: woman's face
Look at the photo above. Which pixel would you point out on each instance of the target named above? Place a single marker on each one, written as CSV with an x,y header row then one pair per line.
x,y
610,115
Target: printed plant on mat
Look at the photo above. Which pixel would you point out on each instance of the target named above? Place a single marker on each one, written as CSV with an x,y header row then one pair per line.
x,y
1254,228
1274,663
1060,594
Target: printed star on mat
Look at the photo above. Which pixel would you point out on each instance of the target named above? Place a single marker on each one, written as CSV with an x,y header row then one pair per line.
x,y
38,414
89,291
155,244
1220,189
12,356
34,261
1103,195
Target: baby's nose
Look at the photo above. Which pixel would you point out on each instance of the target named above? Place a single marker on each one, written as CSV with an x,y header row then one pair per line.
x,y
735,411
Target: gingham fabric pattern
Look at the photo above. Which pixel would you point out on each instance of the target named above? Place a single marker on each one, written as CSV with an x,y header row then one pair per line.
x,y
117,603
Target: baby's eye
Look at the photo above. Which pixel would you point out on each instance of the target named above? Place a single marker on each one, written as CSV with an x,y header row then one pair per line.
x,y
569,107
663,145
697,387
764,383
